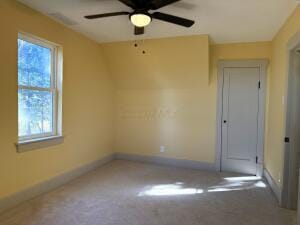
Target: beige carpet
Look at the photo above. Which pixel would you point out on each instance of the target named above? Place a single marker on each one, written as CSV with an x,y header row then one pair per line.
x,y
127,193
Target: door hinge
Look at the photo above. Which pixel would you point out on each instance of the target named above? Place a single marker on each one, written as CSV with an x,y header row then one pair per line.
x,y
256,160
258,84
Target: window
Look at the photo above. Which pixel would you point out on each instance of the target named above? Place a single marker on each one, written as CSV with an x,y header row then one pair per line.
x,y
38,89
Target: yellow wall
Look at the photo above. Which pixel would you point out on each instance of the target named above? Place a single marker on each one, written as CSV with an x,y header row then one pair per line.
x,y
159,100
87,102
169,96
237,51
277,90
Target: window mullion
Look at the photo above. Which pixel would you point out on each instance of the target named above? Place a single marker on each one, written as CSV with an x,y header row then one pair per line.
x,y
24,87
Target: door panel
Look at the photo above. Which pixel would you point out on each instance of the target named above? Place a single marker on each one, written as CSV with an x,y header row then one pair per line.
x,y
240,119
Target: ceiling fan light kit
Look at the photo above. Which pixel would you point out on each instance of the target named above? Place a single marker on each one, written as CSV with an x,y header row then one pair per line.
x,y
141,17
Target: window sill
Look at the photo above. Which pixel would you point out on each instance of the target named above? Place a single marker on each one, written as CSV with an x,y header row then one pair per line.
x,y
30,145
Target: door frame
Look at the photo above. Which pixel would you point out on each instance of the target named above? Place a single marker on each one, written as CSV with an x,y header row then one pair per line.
x,y
262,64
288,182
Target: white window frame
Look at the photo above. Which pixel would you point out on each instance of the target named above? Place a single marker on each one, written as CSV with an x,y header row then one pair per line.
x,y
55,89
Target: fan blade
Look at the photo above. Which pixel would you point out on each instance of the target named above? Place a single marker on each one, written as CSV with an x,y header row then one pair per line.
x,y
129,3
139,30
157,4
173,19
106,15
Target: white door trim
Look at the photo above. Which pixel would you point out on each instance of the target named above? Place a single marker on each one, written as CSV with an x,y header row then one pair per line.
x,y
262,64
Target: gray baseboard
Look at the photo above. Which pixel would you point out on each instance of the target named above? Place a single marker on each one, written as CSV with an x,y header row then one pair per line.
x,y
182,163
43,187
276,190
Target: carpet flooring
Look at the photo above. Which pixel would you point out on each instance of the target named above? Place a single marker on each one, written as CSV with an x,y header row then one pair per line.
x,y
129,193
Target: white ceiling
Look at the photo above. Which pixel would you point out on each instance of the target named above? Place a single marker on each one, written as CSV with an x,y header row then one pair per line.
x,y
224,20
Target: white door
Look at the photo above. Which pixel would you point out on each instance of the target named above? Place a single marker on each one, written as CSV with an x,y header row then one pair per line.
x,y
292,140
240,114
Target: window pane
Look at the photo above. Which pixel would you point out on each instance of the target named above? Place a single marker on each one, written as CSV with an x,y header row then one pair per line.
x,y
34,65
35,112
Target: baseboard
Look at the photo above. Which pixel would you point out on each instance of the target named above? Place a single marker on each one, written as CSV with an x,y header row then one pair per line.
x,y
182,163
276,190
46,186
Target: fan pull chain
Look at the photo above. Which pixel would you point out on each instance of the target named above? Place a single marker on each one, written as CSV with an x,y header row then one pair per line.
x,y
136,45
143,42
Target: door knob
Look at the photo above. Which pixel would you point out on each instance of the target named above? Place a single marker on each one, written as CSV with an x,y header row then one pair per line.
x,y
287,140
225,121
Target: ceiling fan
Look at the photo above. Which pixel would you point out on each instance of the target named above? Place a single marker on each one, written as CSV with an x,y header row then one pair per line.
x,y
141,17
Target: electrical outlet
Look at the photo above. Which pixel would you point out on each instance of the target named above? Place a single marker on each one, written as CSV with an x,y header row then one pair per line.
x,y
162,148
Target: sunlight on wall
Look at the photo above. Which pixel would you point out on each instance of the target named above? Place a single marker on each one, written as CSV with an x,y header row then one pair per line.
x,y
166,94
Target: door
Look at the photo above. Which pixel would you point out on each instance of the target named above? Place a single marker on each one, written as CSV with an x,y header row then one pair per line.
x,y
292,140
240,118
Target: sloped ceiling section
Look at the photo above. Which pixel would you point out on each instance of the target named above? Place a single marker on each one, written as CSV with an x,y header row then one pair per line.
x,y
225,21
151,65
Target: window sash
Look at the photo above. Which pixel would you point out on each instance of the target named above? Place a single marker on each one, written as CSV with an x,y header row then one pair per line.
x,y
37,41
53,89
54,132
